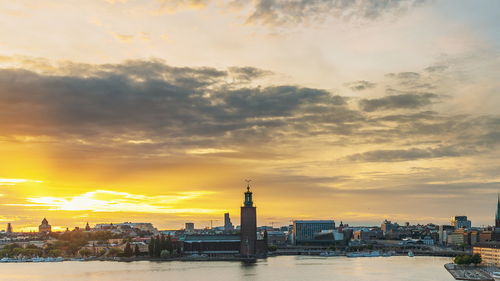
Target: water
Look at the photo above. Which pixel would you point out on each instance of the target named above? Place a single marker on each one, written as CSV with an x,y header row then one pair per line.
x,y
275,268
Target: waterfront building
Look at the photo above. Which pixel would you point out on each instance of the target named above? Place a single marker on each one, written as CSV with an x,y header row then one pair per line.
x,y
44,227
276,238
456,238
304,230
471,237
485,236
211,245
248,244
490,252
228,225
461,222
368,234
443,232
387,227
248,233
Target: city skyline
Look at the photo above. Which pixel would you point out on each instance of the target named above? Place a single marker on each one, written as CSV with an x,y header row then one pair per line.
x,y
228,226
150,110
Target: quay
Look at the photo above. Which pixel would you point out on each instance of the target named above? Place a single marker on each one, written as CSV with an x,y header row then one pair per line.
x,y
461,272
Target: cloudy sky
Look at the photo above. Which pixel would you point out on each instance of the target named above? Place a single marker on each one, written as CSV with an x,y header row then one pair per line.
x,y
157,110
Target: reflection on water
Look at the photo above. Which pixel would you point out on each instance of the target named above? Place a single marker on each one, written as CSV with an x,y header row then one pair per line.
x,y
276,268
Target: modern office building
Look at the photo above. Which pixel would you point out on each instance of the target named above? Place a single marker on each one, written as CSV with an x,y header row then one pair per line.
x,y
248,232
443,232
387,226
455,238
228,225
304,231
460,222
490,252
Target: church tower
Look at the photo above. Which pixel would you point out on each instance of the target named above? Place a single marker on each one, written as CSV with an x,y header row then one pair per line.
x,y
44,227
248,224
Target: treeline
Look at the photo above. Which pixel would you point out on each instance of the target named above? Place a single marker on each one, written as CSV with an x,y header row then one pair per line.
x,y
468,259
100,236
128,252
69,243
15,250
162,246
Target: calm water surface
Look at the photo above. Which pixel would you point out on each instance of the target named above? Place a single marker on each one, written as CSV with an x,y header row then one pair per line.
x,y
275,268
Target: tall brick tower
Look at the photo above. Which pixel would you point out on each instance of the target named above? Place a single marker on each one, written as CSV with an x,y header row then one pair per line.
x,y
248,224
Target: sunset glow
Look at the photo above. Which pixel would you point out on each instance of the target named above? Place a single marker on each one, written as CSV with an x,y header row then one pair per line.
x,y
149,110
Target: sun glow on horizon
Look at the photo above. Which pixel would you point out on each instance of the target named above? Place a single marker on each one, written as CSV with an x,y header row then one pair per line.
x,y
113,201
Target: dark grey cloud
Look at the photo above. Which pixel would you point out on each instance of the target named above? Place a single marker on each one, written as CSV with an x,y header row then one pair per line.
x,y
279,12
436,68
404,75
149,108
360,85
248,73
405,100
151,100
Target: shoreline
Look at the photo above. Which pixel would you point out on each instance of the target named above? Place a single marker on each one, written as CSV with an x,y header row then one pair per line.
x,y
201,259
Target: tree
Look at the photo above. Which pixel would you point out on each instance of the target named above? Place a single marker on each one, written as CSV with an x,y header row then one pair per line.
x,y
157,247
151,247
137,252
468,259
113,252
85,252
476,259
54,253
168,244
165,254
128,252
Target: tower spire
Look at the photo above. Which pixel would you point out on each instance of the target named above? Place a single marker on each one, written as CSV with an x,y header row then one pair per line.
x,y
248,195
248,184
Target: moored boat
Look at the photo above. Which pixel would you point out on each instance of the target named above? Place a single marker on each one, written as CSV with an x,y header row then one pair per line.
x,y
328,254
363,254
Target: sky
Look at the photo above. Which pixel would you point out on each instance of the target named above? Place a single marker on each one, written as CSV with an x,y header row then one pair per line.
x,y
158,110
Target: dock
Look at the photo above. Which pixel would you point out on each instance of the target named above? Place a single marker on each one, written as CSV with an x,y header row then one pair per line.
x,y
460,272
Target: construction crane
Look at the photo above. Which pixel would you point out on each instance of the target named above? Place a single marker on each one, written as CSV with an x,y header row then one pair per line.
x,y
211,223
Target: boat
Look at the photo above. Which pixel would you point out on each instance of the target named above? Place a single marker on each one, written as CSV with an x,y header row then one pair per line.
x,y
328,254
411,254
495,275
58,259
363,254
